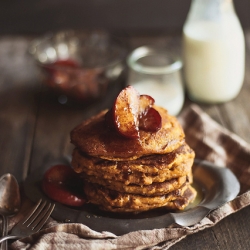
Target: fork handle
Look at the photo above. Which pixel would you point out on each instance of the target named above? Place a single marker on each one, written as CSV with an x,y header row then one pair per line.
x,y
9,237
4,245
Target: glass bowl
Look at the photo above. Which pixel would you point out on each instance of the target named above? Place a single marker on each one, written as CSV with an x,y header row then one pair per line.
x,y
80,65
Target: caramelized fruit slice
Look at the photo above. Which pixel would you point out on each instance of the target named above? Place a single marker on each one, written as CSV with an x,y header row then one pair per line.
x,y
132,112
65,63
126,112
150,121
56,74
146,102
56,67
63,185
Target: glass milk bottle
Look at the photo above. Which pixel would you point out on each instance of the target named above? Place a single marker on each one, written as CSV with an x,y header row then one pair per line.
x,y
213,51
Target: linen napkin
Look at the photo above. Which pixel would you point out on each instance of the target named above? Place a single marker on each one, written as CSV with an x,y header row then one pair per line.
x,y
211,142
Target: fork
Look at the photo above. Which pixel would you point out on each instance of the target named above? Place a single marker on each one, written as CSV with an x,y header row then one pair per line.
x,y
33,222
4,232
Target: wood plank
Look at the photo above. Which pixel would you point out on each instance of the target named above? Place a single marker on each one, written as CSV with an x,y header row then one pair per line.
x,y
30,17
17,106
230,233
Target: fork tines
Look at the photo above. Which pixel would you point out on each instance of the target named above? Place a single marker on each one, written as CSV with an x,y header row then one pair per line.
x,y
39,215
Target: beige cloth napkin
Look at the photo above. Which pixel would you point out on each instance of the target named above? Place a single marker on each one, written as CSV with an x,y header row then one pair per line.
x,y
211,142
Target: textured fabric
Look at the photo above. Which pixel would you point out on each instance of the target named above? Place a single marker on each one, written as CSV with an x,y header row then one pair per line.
x,y
211,142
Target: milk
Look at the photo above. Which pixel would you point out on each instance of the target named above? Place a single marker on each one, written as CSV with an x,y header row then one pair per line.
x,y
214,59
169,95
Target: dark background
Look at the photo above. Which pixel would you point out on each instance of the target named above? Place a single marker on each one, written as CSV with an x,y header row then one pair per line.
x,y
36,17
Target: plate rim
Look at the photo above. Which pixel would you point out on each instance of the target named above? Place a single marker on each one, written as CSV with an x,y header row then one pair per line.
x,y
119,226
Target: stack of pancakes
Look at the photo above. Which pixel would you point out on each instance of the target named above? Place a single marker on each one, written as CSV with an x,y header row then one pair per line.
x,y
134,175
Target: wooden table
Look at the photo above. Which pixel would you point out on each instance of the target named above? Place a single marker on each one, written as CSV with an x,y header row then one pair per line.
x,y
35,128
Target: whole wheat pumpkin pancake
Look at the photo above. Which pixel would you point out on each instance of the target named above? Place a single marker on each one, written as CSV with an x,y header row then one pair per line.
x,y
144,170
114,201
94,138
149,164
156,188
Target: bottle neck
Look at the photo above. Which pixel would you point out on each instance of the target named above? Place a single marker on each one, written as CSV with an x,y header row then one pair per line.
x,y
210,9
226,5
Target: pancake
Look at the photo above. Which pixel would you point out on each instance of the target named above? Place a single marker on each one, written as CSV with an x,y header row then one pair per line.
x,y
114,201
125,175
157,188
141,178
94,138
144,170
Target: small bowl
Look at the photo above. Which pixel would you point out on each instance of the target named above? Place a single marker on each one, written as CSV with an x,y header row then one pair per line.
x,y
79,65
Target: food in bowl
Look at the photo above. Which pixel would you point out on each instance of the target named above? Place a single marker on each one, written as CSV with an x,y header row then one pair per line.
x,y
80,65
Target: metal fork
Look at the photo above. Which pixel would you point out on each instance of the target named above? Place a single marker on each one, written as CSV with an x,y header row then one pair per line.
x,y
4,231
33,222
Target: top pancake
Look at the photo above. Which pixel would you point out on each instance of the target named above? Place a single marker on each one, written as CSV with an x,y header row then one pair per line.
x,y
94,138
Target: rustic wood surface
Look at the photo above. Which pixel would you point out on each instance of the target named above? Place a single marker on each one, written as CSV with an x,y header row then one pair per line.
x,y
35,128
30,17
